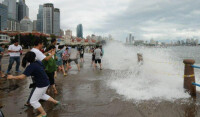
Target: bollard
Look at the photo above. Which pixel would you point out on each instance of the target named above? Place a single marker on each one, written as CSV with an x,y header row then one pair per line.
x,y
140,57
189,77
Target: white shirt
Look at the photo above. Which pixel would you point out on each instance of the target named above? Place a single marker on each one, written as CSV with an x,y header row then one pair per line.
x,y
39,55
73,54
14,48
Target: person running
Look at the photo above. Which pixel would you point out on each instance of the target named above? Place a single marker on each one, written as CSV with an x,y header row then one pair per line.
x,y
50,68
65,57
97,53
102,50
2,46
93,56
82,54
73,57
36,69
14,52
59,62
38,44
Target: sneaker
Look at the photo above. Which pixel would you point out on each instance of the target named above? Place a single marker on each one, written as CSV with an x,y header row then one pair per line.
x,y
7,72
65,74
18,71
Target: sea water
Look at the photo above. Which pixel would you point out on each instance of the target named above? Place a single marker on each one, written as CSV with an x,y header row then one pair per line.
x,y
159,78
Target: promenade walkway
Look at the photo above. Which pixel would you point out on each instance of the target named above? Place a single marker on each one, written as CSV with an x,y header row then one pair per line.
x,y
85,94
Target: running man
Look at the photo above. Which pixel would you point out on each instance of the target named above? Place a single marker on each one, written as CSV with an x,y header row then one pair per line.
x,y
98,53
73,57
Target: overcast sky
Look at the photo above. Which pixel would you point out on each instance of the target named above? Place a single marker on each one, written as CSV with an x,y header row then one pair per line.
x,y
145,19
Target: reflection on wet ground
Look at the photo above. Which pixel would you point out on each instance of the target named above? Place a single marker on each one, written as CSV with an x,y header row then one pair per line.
x,y
85,94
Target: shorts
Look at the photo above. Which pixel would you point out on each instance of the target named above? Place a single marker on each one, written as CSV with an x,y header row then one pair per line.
x,y
97,61
81,55
75,60
65,62
93,57
59,62
51,78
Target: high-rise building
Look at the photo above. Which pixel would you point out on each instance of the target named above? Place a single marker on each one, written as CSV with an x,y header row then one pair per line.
x,y
26,25
17,10
79,31
23,10
34,25
11,4
48,12
13,25
56,22
40,19
3,16
130,38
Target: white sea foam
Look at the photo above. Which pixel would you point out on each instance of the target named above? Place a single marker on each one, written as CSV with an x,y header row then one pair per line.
x,y
160,77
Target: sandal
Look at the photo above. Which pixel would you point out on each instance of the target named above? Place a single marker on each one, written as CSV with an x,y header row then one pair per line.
x,y
42,115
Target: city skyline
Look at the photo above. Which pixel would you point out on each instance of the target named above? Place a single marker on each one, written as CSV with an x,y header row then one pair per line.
x,y
158,19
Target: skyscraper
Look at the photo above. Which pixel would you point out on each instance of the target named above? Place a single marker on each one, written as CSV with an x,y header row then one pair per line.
x,y
56,22
40,19
23,10
11,4
3,16
34,25
48,12
130,38
79,31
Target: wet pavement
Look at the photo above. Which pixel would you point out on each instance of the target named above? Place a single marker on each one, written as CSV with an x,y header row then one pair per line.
x,y
85,94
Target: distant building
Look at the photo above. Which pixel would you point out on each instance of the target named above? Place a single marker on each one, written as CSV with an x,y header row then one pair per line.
x,y
11,4
196,42
13,25
39,26
152,42
56,22
3,16
61,32
48,12
17,10
130,38
68,33
26,25
23,10
79,31
126,40
35,25
139,42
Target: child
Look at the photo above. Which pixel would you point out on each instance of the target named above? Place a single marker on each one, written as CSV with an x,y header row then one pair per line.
x,y
36,69
59,62
50,68
65,57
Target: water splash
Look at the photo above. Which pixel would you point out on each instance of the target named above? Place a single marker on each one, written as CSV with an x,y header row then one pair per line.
x,y
160,77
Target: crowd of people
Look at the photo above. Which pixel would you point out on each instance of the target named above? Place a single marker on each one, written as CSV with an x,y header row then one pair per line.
x,y
42,65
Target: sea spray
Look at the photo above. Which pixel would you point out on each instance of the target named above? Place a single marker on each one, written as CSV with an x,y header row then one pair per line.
x,y
160,77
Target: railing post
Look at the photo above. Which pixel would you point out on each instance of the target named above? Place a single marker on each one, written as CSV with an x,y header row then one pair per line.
x,y
189,77
140,58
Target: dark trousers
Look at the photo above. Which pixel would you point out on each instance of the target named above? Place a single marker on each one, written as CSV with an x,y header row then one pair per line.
x,y
33,89
11,61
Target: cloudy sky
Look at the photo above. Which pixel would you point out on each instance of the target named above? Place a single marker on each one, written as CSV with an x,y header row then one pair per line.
x,y
145,19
